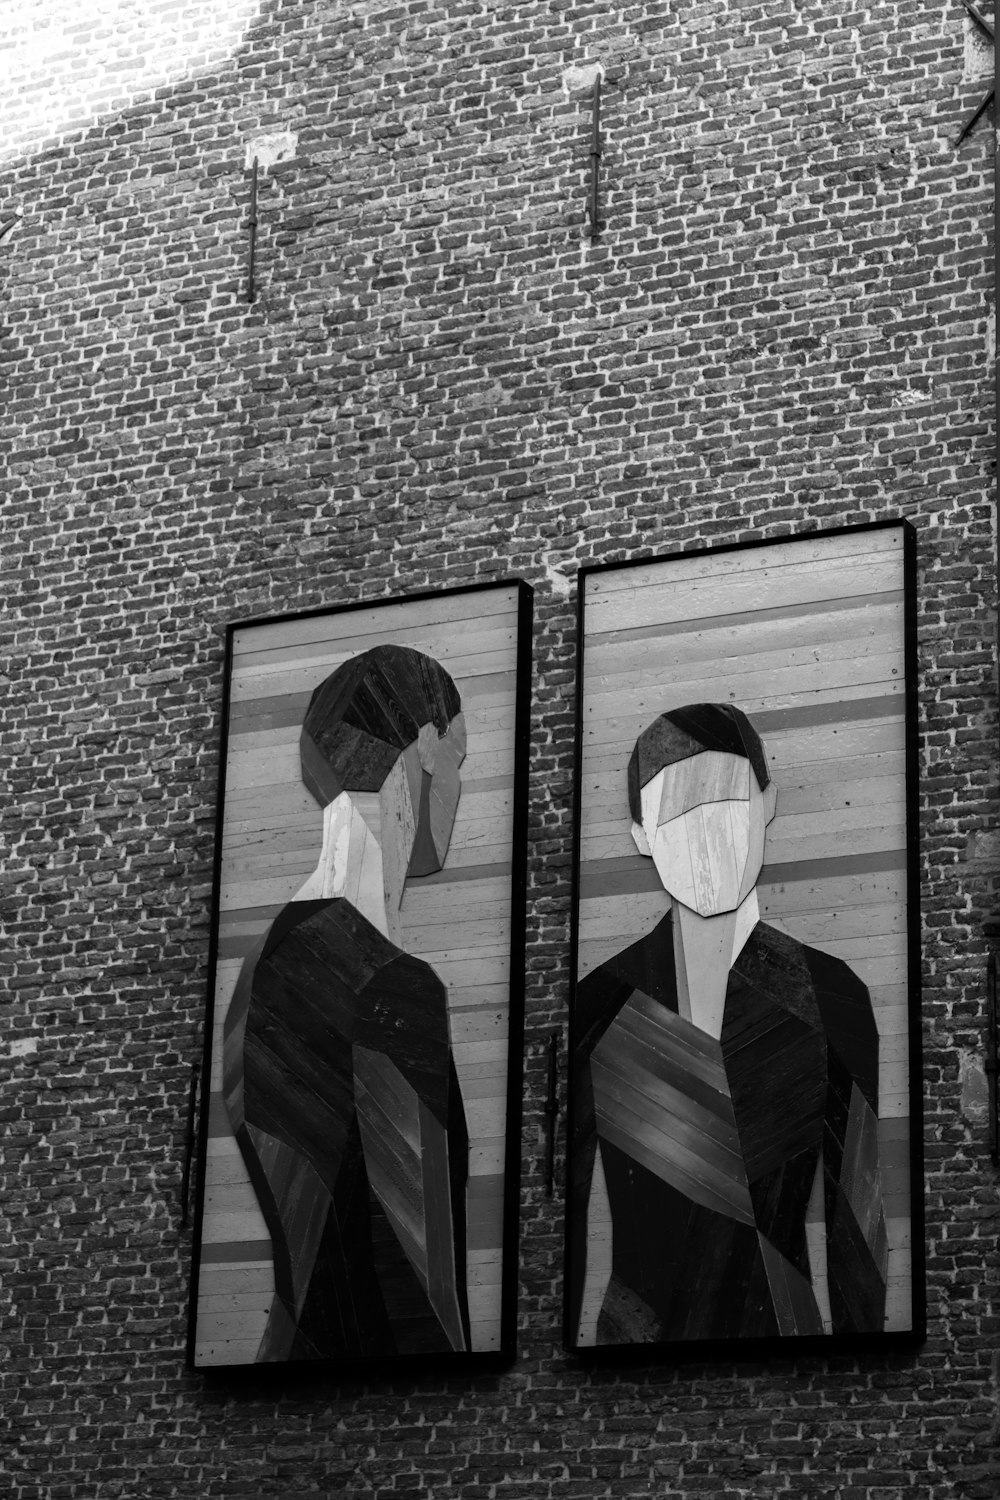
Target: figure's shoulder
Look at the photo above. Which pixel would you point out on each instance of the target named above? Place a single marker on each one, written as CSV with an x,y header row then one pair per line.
x,y
827,973
328,936
647,961
646,965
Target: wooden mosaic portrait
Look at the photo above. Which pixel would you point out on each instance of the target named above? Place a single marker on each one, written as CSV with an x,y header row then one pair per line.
x,y
743,1157
359,1193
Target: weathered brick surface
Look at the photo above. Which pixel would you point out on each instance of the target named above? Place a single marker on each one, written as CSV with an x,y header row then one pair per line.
x,y
783,327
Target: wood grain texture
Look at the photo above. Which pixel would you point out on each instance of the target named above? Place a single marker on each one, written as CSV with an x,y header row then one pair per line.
x,y
807,638
457,920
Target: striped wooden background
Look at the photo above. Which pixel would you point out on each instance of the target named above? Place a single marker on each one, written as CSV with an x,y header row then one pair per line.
x,y
458,920
807,638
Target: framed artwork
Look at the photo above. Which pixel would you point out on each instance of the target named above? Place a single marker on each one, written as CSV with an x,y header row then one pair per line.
x,y
359,1141
744,1136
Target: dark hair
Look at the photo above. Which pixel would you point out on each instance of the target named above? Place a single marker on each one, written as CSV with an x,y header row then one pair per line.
x,y
690,731
366,713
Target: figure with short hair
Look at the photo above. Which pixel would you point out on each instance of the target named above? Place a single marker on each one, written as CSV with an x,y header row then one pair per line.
x,y
724,1166
338,1074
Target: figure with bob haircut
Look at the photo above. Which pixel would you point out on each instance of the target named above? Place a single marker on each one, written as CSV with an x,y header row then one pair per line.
x,y
724,1160
338,1074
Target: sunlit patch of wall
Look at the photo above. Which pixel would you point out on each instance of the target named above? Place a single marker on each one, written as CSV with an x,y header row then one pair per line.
x,y
67,64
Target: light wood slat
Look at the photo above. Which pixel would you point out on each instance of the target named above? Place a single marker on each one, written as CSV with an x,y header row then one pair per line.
x,y
225,1171
845,548
472,658
486,1157
829,775
479,1072
471,652
230,1228
233,1197
492,1087
794,638
237,1304
462,902
654,686
796,796
733,635
210,1352
706,598
236,1280
781,574
485,938
480,998
483,1023
483,1274
834,894
384,624
894,1054
486,1119
236,1326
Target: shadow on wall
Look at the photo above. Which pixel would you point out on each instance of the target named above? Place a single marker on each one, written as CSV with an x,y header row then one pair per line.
x,y
68,64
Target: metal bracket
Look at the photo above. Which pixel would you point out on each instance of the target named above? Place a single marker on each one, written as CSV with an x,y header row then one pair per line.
x,y
984,104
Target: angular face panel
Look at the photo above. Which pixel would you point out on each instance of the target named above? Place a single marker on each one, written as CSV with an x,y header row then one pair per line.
x,y
743,1159
703,821
360,1130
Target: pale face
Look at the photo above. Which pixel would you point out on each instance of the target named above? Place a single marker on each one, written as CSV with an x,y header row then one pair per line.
x,y
703,824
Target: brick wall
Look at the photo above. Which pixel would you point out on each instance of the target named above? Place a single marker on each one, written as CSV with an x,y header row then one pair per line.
x,y
785,325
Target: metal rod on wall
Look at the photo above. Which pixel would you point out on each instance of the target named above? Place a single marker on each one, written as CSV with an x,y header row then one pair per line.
x,y
992,1054
251,286
595,158
189,1144
551,1113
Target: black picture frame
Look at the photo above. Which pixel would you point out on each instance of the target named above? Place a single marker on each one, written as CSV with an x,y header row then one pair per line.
x,y
466,921
813,637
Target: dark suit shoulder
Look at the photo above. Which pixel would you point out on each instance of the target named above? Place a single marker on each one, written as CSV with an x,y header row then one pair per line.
x,y
842,1001
647,966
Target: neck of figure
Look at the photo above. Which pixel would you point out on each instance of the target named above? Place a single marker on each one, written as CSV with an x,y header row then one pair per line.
x,y
354,866
705,949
